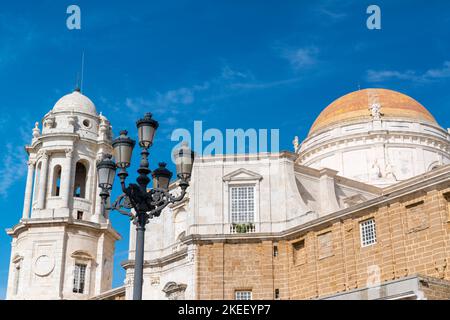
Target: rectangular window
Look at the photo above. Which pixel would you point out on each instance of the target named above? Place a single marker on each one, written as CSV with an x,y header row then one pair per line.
x,y
243,295
447,197
79,278
277,294
299,252
242,204
368,233
275,251
79,215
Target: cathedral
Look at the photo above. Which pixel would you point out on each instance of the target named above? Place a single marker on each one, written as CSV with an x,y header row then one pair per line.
x,y
359,210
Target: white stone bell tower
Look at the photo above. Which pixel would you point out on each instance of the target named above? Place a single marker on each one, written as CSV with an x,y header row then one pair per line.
x,y
63,246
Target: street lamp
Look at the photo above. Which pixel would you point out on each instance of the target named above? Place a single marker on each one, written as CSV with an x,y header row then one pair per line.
x,y
146,203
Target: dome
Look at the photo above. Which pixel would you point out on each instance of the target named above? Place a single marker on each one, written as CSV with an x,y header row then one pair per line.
x,y
355,107
75,102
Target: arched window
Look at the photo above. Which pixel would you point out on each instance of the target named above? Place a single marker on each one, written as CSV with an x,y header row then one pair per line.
x,y
56,181
80,181
37,176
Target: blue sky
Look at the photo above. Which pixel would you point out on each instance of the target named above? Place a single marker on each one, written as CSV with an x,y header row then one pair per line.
x,y
231,64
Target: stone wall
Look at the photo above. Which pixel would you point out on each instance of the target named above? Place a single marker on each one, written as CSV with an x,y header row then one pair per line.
x,y
435,289
413,237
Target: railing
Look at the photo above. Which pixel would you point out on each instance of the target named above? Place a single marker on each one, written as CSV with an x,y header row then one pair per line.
x,y
242,228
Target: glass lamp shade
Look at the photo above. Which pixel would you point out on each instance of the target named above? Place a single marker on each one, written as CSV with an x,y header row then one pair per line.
x,y
184,160
123,149
106,171
161,177
146,130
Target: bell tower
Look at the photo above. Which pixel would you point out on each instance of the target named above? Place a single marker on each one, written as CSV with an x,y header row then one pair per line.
x,y
63,246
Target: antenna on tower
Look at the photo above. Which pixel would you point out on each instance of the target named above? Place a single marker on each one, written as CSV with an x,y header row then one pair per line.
x,y
79,84
82,71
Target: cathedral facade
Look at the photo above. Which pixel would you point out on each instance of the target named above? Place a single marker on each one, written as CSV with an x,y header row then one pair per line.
x,y
359,210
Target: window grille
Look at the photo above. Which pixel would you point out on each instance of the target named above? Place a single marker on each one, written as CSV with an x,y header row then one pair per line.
x,y
368,233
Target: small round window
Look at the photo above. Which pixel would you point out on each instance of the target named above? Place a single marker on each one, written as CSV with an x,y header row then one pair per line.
x,y
86,123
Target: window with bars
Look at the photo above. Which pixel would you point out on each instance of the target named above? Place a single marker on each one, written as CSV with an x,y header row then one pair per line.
x,y
79,278
243,295
242,204
368,233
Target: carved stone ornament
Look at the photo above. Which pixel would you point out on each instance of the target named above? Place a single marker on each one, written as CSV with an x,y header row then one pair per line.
x,y
36,131
44,265
154,281
69,153
49,122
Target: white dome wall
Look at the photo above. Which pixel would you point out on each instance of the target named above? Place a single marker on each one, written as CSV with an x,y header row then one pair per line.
x,y
379,152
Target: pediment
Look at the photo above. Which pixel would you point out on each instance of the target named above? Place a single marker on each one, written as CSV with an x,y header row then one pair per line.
x,y
172,287
242,175
82,255
17,258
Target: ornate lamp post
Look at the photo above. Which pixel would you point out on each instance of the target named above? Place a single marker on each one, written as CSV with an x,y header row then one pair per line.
x,y
147,203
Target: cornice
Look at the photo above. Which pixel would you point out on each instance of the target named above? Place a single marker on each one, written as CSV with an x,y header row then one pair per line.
x,y
110,293
332,127
247,157
350,183
25,224
391,194
160,262
415,139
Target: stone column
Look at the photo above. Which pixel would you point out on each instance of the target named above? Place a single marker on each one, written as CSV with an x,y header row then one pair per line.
x,y
28,190
43,181
97,215
66,175
99,274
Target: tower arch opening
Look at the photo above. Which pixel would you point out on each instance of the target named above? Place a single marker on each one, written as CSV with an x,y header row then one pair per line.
x,y
56,185
81,170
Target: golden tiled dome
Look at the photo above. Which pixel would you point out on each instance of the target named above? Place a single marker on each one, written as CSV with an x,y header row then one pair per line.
x,y
355,106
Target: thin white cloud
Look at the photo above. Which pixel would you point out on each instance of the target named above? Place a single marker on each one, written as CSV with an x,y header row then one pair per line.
x,y
229,74
173,103
410,75
171,121
14,159
330,13
333,11
162,102
264,85
301,58
13,167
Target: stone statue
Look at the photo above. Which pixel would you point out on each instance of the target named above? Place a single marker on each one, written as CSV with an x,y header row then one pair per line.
x,y
376,171
296,144
389,172
375,111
